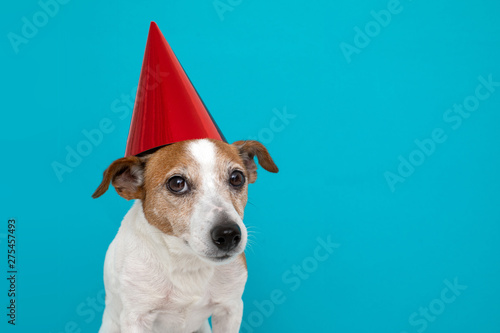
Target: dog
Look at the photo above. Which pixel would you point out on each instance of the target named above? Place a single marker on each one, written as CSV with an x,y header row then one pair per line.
x,y
178,257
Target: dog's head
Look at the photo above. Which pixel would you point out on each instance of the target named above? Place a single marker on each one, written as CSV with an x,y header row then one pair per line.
x,y
195,190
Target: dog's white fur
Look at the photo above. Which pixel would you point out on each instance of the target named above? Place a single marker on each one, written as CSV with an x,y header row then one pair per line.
x,y
156,283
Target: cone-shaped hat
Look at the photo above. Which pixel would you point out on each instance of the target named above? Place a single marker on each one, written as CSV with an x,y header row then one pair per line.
x,y
167,107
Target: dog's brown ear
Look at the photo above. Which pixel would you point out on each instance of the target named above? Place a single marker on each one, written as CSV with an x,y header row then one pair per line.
x,y
127,176
250,148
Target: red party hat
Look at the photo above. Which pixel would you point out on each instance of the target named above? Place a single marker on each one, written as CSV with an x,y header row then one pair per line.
x,y
167,107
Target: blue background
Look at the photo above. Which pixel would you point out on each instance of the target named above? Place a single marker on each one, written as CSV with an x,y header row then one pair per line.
x,y
352,122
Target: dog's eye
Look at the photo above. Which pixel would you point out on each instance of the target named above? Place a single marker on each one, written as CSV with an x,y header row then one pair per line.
x,y
237,178
177,184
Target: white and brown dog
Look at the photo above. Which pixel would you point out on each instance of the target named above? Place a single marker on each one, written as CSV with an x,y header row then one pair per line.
x,y
178,256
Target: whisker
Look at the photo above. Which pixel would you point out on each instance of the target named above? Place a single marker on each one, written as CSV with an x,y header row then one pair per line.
x,y
251,203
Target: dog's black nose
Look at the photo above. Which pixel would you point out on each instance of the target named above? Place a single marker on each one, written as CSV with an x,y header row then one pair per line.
x,y
226,236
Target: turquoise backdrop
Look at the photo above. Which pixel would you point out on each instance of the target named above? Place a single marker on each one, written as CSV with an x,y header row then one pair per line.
x,y
382,116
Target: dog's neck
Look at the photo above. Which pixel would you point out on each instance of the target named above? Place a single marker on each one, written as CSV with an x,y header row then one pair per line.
x,y
176,256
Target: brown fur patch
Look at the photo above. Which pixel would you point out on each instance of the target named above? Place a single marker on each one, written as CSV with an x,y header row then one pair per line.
x,y
250,148
228,157
165,210
243,258
124,174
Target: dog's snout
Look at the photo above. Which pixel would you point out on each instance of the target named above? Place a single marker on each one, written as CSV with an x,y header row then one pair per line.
x,y
226,237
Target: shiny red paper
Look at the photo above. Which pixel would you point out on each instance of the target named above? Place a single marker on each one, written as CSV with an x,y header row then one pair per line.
x,y
167,107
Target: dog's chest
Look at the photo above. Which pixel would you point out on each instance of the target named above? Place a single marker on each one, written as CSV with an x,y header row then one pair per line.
x,y
188,301
184,317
